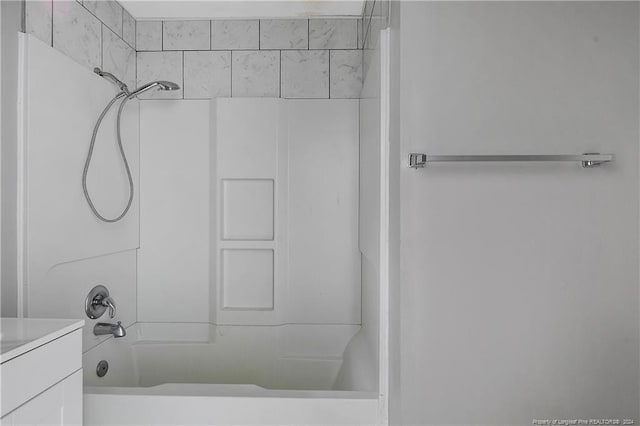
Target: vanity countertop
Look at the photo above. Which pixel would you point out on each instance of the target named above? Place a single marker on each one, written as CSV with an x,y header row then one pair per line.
x,y
21,335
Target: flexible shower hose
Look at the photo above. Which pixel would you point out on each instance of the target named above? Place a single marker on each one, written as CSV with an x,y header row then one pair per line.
x,y
122,154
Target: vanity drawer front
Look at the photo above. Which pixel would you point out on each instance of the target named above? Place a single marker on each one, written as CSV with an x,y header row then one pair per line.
x,y
29,374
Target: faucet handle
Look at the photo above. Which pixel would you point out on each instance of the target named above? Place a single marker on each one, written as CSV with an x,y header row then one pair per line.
x,y
97,301
111,304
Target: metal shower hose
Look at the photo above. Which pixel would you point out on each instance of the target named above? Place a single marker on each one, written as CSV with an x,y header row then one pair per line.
x,y
122,154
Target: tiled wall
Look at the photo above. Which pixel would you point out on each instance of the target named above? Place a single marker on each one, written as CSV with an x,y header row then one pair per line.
x,y
288,58
94,33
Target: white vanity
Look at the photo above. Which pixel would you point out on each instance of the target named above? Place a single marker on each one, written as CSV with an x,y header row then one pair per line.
x,y
40,371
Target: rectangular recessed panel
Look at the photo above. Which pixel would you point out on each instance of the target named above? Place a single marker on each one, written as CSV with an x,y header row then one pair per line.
x,y
247,209
247,279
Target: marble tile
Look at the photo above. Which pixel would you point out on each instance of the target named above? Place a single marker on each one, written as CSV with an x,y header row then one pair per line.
x,y
235,34
129,29
38,19
108,11
346,73
186,35
305,74
333,34
148,35
118,57
77,33
255,73
207,75
284,33
152,66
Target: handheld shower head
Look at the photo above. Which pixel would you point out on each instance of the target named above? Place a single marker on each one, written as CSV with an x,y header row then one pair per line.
x,y
161,85
112,78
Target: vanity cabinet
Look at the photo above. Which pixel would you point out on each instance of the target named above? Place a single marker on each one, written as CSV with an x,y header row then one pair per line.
x,y
40,372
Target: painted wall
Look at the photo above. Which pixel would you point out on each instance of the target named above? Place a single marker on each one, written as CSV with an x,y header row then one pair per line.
x,y
518,282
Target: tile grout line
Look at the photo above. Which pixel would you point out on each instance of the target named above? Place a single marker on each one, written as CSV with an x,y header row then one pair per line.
x,y
231,74
182,75
51,21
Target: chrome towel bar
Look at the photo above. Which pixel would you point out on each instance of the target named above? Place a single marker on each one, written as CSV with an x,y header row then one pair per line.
x,y
418,160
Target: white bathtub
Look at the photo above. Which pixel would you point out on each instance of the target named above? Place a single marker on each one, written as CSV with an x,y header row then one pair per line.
x,y
178,374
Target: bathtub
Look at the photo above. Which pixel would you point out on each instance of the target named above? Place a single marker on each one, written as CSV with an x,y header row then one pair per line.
x,y
197,374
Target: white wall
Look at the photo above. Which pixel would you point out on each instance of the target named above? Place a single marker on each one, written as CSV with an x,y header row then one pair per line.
x,y
64,249
518,282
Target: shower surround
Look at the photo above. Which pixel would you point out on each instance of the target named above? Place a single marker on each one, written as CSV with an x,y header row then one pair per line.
x,y
237,234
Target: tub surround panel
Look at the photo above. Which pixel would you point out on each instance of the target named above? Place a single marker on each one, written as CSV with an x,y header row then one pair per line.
x,y
247,279
38,19
255,73
247,209
108,11
77,33
237,35
68,250
346,73
333,34
290,142
67,286
173,261
148,35
323,212
118,57
305,74
128,29
207,74
153,66
186,35
284,34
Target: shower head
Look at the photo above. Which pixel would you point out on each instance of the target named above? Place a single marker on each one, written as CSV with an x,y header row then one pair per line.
x,y
161,85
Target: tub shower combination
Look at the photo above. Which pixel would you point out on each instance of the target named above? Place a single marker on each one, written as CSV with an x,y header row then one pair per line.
x,y
228,260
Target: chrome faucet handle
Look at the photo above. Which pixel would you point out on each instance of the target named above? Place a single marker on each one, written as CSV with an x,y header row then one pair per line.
x,y
111,304
97,302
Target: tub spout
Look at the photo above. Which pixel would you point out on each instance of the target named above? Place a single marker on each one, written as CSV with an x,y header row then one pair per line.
x,y
103,328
